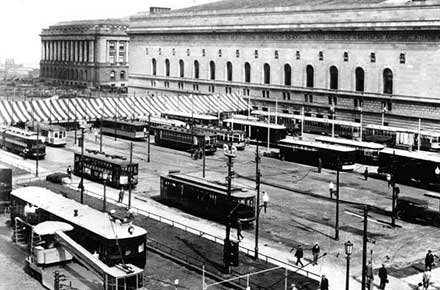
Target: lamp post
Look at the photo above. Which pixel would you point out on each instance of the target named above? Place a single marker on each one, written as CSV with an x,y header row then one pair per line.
x,y
104,179
332,190
361,117
395,192
332,110
101,109
348,251
81,183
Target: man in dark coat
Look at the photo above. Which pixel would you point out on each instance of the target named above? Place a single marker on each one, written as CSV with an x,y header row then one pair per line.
x,y
299,254
429,260
324,283
315,252
383,276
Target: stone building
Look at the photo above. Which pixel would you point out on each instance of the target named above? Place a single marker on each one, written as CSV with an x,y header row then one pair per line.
x,y
375,58
91,53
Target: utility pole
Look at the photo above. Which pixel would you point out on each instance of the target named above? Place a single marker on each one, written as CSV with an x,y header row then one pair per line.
x,y
76,122
364,247
100,134
130,170
204,158
38,150
81,183
148,140
337,200
257,180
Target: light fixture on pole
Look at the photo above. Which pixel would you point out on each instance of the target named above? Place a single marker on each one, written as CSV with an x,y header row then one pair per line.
x,y
348,251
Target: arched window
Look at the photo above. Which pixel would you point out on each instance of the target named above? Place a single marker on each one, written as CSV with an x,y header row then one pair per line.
x,y
229,71
196,69
266,73
112,75
167,67
387,81
360,79
310,76
287,75
333,78
212,70
122,75
153,67
247,72
181,69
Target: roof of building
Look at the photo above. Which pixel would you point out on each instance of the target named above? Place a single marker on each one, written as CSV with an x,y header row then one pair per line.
x,y
108,21
296,15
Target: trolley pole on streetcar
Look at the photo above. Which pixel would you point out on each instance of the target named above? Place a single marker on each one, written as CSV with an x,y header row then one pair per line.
x,y
38,150
130,170
81,183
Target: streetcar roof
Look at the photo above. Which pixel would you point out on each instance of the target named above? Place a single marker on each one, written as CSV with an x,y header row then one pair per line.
x,y
184,130
115,159
218,129
88,218
307,118
191,115
31,135
125,122
314,144
46,126
351,143
420,155
244,117
390,128
255,123
162,121
238,192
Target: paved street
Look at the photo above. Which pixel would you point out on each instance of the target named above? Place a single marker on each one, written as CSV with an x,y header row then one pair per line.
x,y
300,209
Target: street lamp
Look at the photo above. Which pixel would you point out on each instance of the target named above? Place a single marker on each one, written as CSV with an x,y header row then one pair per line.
x,y
335,191
105,177
101,109
348,251
395,193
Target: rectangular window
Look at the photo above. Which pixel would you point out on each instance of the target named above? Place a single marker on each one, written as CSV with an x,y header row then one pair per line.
x,y
160,51
153,83
402,58
166,84
266,94
173,51
298,55
286,96
387,105
237,53
358,103
219,53
211,88
321,55
345,55
188,52
332,100
146,50
180,85
265,109
228,90
203,52
373,57
256,53
276,54
195,87
246,92
308,98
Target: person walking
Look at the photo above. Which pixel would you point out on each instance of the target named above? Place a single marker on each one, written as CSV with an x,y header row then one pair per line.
x,y
121,195
429,260
383,276
426,278
239,228
96,135
69,171
299,254
370,276
324,283
315,252
366,173
319,165
420,286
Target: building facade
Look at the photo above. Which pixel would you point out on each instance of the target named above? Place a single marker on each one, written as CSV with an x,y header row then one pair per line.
x,y
378,59
85,53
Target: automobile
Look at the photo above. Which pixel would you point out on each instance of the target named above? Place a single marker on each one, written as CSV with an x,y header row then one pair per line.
x,y
59,178
415,209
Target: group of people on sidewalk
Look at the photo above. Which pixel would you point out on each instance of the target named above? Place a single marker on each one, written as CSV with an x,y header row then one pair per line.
x,y
299,254
426,278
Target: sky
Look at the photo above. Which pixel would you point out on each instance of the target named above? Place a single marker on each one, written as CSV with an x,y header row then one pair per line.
x,y
21,21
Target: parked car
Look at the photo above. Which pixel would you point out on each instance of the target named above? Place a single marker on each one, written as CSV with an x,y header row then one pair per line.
x,y
415,209
59,178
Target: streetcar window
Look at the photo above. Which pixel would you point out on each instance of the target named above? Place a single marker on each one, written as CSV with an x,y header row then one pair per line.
x,y
56,135
141,247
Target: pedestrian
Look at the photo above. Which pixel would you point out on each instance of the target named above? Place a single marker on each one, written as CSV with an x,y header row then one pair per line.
x,y
299,254
319,165
239,228
69,171
96,135
426,278
389,179
324,283
429,260
420,286
366,173
121,195
370,276
293,287
315,252
383,276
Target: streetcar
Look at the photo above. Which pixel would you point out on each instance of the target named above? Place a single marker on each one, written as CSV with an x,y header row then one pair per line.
x,y
309,152
22,142
366,152
111,235
208,199
118,169
421,168
191,118
186,139
315,125
154,121
225,136
391,136
133,130
54,135
257,131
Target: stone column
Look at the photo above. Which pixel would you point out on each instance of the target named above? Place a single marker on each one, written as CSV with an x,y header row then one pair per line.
x,y
58,50
71,51
63,54
46,50
76,51
81,51
42,50
92,51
